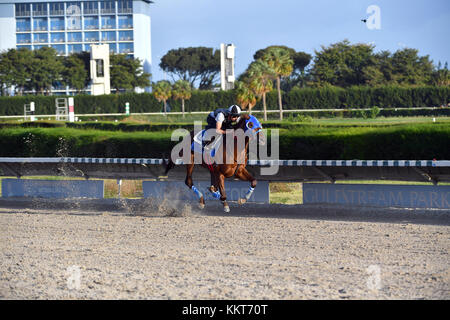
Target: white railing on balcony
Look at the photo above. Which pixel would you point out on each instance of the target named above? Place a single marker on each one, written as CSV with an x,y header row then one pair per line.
x,y
90,11
56,12
39,13
23,13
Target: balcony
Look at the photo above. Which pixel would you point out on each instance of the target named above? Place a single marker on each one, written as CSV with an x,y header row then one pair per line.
x,y
39,13
23,13
125,26
90,11
20,41
56,12
23,29
108,11
40,28
125,10
91,27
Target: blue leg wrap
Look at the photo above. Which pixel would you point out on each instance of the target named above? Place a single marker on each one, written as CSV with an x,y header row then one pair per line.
x,y
197,192
249,193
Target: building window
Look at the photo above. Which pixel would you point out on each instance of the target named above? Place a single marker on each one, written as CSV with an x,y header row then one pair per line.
x,y
90,7
74,48
108,36
91,36
125,47
56,24
24,38
125,6
125,35
23,10
40,24
107,7
90,23
40,38
39,9
74,37
56,8
125,22
112,48
23,24
57,37
108,22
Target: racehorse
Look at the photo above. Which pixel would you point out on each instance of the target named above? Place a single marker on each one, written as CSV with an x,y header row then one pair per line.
x,y
234,160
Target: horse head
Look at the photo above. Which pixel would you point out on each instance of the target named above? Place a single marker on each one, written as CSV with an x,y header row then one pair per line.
x,y
253,128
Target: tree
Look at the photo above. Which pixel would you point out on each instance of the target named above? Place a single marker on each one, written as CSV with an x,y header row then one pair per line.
x,y
245,96
162,90
342,64
301,61
75,74
280,62
182,90
193,64
127,73
15,68
260,77
441,76
411,69
45,70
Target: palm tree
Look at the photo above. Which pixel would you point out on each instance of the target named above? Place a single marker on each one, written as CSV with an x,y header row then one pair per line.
x,y
261,76
280,61
245,96
182,90
162,90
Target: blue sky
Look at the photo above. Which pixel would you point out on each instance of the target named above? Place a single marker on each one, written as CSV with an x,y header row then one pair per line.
x,y
304,25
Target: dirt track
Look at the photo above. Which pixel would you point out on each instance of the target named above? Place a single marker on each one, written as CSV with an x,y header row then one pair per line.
x,y
256,252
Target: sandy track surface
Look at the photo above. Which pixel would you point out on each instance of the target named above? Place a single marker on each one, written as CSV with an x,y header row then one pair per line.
x,y
256,252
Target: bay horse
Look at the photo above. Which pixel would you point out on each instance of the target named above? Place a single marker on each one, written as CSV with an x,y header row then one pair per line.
x,y
234,160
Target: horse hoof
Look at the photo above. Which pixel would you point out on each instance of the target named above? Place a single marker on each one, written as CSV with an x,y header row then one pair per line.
x,y
226,209
242,200
201,205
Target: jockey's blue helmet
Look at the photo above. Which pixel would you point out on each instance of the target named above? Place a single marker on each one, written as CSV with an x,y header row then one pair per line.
x,y
235,110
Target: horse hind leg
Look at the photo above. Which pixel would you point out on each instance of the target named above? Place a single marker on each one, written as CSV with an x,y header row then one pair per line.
x,y
223,195
190,184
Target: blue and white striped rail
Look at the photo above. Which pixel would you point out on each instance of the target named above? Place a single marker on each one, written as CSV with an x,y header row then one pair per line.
x,y
289,163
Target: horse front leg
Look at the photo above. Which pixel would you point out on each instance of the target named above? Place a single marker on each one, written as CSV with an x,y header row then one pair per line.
x,y
190,184
243,174
223,195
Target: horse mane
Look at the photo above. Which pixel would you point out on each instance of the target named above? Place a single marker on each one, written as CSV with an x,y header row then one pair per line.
x,y
241,122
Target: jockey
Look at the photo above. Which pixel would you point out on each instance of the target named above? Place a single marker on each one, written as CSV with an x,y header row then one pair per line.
x,y
222,119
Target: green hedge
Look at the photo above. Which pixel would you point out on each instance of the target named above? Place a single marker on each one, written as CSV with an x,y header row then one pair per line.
x,y
396,142
307,98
